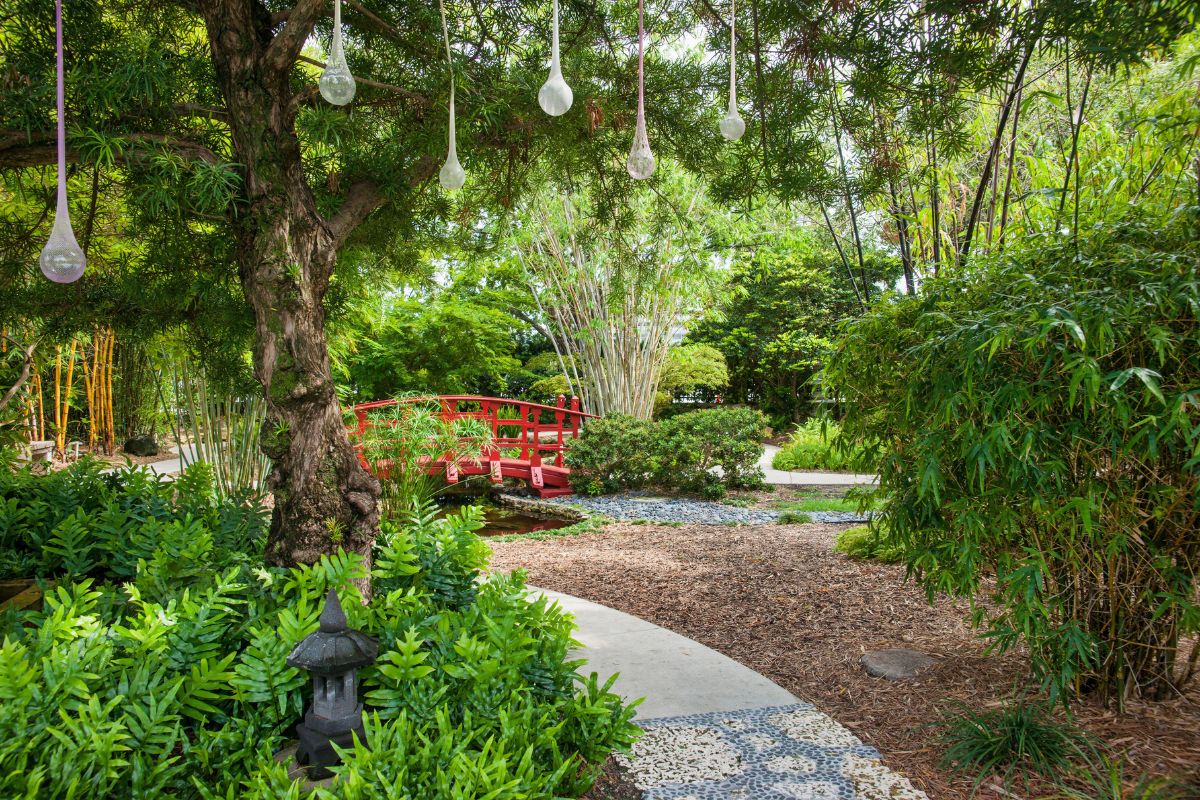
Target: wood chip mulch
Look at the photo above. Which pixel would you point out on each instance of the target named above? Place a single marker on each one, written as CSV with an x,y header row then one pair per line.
x,y
780,600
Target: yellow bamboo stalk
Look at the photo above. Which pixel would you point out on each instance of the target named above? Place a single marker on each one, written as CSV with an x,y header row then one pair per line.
x,y
89,390
110,427
41,409
66,411
58,437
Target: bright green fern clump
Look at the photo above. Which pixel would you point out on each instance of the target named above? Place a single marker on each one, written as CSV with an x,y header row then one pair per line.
x,y
173,682
814,445
862,542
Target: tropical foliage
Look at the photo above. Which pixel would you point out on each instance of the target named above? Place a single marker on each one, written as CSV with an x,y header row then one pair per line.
x,y
815,444
614,289
174,684
1046,432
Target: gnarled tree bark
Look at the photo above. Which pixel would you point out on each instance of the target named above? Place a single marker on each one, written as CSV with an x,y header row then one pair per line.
x,y
286,254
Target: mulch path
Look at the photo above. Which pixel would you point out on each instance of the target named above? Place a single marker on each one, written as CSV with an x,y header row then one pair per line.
x,y
780,600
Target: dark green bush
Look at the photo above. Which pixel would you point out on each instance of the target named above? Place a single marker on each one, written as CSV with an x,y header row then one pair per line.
x,y
1034,419
152,689
705,452
84,522
612,454
712,450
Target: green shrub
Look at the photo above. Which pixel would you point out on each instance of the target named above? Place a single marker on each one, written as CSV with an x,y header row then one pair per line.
x,y
794,518
1034,416
862,542
147,689
83,522
1017,740
693,448
815,444
613,454
705,452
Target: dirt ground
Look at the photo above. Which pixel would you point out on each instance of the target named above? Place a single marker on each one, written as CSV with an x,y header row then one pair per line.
x,y
780,600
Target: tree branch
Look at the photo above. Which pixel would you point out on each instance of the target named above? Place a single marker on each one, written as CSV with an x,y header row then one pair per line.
x,y
284,49
26,369
362,198
18,149
420,98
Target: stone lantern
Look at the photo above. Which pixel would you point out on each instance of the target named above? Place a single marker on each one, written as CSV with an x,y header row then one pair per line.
x,y
333,654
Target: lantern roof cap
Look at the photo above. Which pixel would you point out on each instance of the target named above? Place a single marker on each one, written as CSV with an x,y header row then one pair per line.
x,y
334,648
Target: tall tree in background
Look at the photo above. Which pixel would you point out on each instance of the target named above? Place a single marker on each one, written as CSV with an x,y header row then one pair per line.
x,y
614,292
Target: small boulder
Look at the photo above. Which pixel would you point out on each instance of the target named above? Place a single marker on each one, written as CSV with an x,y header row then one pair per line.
x,y
896,664
143,445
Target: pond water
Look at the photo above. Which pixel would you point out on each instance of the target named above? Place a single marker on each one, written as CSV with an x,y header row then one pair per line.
x,y
504,521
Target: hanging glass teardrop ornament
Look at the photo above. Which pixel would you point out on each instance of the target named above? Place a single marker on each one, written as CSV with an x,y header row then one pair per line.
x,y
337,84
555,96
732,125
62,259
641,161
452,175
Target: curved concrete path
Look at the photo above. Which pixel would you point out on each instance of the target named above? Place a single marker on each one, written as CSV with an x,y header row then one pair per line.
x,y
781,477
676,675
715,729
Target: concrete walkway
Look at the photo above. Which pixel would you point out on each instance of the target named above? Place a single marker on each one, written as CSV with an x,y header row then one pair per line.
x,y
715,729
170,466
676,675
780,477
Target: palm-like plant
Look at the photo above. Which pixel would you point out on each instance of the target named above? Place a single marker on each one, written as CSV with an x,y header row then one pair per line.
x,y
403,442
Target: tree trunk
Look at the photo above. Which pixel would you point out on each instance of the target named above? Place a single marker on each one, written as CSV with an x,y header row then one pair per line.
x,y
286,251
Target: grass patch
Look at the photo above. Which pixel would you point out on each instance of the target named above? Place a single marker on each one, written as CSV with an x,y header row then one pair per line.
x,y
815,501
1018,740
794,518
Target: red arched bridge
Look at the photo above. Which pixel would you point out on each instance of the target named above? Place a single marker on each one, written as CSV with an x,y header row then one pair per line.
x,y
528,442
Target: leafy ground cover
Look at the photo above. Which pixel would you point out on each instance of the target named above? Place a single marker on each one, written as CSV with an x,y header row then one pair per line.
x,y
162,673
781,600
813,445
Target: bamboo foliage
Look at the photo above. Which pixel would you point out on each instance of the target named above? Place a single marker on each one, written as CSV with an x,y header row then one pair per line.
x,y
614,291
98,386
223,431
64,390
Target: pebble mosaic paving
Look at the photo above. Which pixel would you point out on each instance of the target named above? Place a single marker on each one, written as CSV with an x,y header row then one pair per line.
x,y
790,752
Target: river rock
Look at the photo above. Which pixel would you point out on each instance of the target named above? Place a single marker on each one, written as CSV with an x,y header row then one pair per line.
x,y
143,445
896,663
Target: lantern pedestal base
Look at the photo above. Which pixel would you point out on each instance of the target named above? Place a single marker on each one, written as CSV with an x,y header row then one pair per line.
x,y
318,735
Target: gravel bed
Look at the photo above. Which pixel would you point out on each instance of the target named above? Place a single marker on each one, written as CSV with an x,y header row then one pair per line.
x,y
653,508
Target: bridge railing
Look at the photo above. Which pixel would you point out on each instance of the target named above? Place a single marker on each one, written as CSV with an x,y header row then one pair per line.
x,y
540,432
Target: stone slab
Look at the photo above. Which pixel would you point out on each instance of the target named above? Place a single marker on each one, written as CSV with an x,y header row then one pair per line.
x,y
896,663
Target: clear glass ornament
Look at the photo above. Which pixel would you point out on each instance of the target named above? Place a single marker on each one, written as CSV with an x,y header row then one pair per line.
x,y
452,175
732,125
555,96
337,84
641,161
62,259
